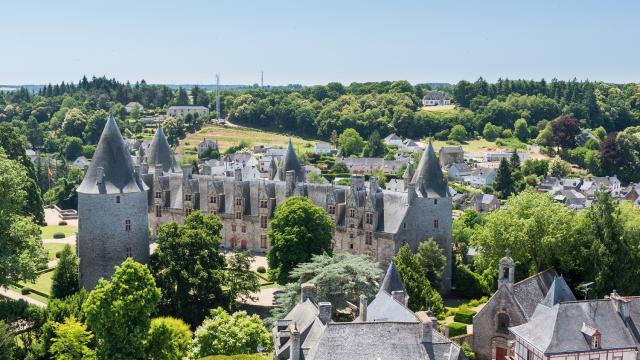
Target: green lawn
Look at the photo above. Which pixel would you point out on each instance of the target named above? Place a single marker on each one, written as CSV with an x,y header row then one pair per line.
x,y
49,230
471,145
42,284
52,248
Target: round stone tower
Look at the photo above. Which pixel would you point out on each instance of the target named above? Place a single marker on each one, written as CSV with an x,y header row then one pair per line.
x,y
112,210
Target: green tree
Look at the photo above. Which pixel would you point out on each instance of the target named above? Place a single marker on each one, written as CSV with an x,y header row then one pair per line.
x,y
240,280
490,131
7,341
74,123
94,127
71,341
72,148
521,130
168,339
299,229
422,295
118,311
433,261
230,334
340,168
188,267
458,133
181,97
350,143
64,193
65,279
504,180
375,147
558,167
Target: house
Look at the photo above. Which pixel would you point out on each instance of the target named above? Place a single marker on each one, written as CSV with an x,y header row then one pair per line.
x,y
498,156
130,106
436,98
631,192
410,145
485,202
480,177
184,110
31,154
370,165
605,183
555,184
451,155
572,198
562,328
80,162
385,329
322,148
458,171
205,145
393,140
512,304
261,148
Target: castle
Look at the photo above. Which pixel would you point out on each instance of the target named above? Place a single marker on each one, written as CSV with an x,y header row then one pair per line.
x,y
368,219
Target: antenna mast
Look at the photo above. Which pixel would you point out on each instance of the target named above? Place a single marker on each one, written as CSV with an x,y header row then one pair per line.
x,y
218,97
262,79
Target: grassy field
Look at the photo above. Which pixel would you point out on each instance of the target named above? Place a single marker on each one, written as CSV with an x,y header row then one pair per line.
x,y
228,136
439,108
471,146
49,230
52,248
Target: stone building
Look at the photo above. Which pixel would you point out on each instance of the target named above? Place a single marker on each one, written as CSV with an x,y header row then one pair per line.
x,y
185,109
369,220
112,210
511,305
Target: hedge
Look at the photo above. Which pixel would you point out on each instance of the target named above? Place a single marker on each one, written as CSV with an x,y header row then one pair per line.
x,y
469,284
464,316
62,223
25,291
58,235
456,329
261,269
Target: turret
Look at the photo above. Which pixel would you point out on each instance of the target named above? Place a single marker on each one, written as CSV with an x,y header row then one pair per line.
x,y
159,152
506,271
428,176
291,163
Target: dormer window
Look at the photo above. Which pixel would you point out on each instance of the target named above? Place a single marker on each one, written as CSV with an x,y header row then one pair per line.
x,y
187,197
158,195
368,218
595,341
352,212
238,201
263,204
332,210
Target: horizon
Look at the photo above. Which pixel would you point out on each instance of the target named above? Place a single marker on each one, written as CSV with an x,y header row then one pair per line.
x,y
309,44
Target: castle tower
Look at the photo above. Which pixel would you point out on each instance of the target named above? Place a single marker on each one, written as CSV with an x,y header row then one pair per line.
x,y
159,152
112,210
291,163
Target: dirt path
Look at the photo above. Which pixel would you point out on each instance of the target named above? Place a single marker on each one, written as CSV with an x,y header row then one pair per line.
x,y
4,292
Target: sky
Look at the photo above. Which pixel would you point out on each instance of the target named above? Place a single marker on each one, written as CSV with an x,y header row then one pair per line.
x,y
316,42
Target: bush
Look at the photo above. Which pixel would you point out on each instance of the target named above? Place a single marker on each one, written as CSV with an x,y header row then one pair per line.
x,y
59,235
464,316
57,254
469,284
261,269
456,329
25,291
62,223
483,300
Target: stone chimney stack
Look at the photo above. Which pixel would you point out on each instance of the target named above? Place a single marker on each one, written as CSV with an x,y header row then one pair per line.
x,y
144,167
325,310
294,348
187,170
136,170
306,291
157,171
100,175
620,304
374,184
399,295
290,183
237,174
357,182
363,308
411,193
427,329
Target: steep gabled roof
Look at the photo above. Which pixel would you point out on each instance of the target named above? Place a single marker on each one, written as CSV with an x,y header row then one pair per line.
x,y
428,176
291,163
159,152
392,281
558,292
113,157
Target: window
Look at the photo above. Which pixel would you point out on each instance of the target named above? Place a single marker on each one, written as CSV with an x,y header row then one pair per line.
x,y
368,238
404,225
238,215
352,212
368,218
117,199
351,246
213,199
158,211
503,324
351,235
187,211
529,354
263,222
595,341
243,228
127,225
158,194
435,224
435,201
129,252
187,197
332,210
233,227
238,201
263,242
263,204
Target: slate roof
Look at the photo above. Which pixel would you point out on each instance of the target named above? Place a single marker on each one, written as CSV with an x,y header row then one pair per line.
x,y
436,95
428,176
558,292
159,152
385,308
484,198
112,155
392,281
291,163
532,290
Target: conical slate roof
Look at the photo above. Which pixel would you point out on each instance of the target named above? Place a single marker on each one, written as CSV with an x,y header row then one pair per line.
x,y
159,152
392,281
291,163
113,157
408,172
428,176
558,292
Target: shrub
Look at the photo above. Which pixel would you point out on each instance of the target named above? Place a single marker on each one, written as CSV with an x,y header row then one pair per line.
x,y
261,269
471,355
474,303
58,235
57,254
62,223
483,300
25,291
464,316
456,329
469,284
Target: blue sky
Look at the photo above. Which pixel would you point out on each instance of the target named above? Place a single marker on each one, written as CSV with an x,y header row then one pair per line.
x,y
317,42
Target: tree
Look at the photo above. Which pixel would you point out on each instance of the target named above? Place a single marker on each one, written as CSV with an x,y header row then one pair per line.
x,y
72,148
514,162
118,311
65,279
95,125
168,339
74,123
230,334
340,168
22,252
188,267
628,144
458,133
339,278
334,137
559,167
422,296
71,341
521,130
504,180
299,229
7,341
433,261
375,147
181,97
240,280
350,143
64,193
564,131
490,131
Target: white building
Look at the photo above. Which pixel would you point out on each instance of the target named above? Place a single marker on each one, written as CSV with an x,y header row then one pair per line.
x,y
205,145
322,148
184,110
436,98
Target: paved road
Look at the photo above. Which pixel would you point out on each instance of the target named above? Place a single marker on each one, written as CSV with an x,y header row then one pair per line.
x,y
10,294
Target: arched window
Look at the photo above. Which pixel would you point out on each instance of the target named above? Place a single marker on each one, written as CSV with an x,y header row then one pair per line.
x,y
503,323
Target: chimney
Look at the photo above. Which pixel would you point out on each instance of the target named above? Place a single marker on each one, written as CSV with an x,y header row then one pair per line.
x,y
306,291
237,174
363,308
187,170
100,175
294,348
620,304
411,193
206,169
290,182
427,329
357,181
325,312
374,184
157,170
399,296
